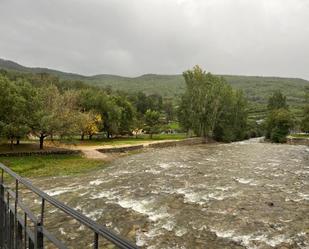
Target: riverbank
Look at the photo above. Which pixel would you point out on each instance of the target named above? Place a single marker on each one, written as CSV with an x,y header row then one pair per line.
x,y
298,140
79,159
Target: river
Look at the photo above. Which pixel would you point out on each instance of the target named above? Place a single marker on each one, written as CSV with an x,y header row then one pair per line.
x,y
239,195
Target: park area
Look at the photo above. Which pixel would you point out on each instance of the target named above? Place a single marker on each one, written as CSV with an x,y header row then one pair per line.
x,y
70,157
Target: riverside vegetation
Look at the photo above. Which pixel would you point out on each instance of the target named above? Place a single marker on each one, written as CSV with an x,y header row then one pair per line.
x,y
41,106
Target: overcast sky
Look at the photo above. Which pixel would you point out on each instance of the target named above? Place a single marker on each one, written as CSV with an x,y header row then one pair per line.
x,y
134,37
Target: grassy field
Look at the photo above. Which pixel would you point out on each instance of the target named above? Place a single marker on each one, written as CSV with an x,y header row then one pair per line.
x,y
33,145
59,165
300,135
51,165
126,140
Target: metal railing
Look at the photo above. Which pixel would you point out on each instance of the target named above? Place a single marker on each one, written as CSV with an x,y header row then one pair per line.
x,y
15,216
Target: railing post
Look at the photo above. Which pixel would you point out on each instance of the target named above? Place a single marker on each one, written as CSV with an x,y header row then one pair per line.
x,y
16,223
11,228
96,241
19,236
39,237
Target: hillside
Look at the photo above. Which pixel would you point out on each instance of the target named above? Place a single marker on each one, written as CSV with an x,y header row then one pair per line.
x,y
257,89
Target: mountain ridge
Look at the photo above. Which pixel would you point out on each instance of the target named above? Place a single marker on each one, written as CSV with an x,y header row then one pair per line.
x,y
12,65
256,88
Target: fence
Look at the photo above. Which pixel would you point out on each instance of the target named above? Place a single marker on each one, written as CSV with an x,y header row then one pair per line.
x,y
21,228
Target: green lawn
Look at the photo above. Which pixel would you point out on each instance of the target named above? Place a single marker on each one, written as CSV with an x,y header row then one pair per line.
x,y
127,140
59,165
51,165
33,145
300,135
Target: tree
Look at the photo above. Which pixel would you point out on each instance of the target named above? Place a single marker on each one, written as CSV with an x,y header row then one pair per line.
x,y
203,100
154,102
279,122
138,124
305,119
45,121
183,114
89,123
126,115
54,114
232,122
13,111
169,111
141,103
106,106
277,101
152,120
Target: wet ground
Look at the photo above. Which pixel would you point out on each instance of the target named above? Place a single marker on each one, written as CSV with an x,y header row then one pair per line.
x,y
239,195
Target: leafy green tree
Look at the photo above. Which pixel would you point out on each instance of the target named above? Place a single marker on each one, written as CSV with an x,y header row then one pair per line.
x,y
154,102
203,99
279,122
169,111
55,114
277,101
126,116
138,124
152,120
305,119
141,102
184,113
45,121
232,122
13,111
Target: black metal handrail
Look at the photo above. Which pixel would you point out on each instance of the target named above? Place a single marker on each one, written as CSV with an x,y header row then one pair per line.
x,y
15,232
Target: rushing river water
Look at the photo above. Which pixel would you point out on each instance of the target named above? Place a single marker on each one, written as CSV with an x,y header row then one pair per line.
x,y
239,195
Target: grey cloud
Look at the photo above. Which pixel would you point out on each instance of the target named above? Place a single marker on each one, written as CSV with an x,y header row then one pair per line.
x,y
256,37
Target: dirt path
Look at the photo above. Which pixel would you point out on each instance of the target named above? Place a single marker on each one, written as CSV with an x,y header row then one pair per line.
x,y
92,152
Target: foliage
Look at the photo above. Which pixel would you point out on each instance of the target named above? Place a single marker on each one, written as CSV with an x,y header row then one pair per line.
x,y
88,123
305,119
152,120
51,165
232,122
256,89
277,101
40,105
279,120
211,108
279,123
13,112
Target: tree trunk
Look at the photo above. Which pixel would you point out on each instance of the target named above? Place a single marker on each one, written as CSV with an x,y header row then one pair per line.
x,y
151,135
82,137
12,144
17,141
109,134
90,137
42,142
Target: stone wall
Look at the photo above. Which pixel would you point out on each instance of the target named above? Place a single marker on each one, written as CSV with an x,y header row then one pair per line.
x,y
189,141
298,141
121,149
39,153
160,144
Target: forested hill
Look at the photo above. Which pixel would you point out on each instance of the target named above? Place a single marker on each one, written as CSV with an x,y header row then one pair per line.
x,y
257,89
